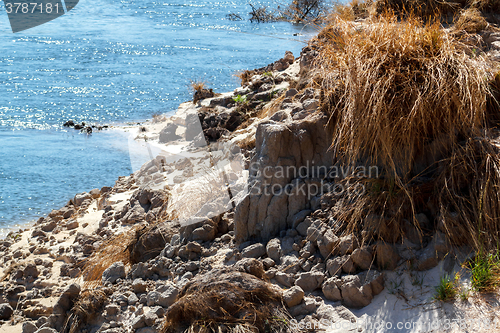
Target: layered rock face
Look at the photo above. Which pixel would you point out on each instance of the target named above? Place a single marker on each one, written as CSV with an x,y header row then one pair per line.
x,y
291,158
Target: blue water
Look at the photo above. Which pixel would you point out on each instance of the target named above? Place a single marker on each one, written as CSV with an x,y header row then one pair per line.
x,y
105,62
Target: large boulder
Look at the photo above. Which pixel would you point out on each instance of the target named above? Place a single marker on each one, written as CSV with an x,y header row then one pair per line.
x,y
278,194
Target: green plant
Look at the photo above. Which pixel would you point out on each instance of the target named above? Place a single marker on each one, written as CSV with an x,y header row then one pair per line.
x,y
241,100
485,269
446,289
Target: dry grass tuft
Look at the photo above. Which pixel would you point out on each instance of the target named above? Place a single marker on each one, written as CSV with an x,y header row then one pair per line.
x,y
355,9
86,308
470,20
244,76
198,85
422,8
116,249
397,89
412,99
222,301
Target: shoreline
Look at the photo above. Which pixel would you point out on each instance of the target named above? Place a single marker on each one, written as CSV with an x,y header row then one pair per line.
x,y
133,248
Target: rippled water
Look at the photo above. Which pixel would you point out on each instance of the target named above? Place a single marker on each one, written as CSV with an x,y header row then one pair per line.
x,y
111,62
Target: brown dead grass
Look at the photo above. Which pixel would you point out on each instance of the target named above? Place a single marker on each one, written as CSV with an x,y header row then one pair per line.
x,y
244,76
414,100
392,88
422,8
86,308
227,302
198,85
469,190
115,249
470,20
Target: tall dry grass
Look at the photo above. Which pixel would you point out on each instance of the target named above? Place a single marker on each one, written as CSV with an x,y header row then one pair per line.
x,y
468,189
117,248
397,89
412,98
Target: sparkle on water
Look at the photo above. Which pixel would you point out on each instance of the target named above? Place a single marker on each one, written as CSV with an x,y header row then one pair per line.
x,y
106,62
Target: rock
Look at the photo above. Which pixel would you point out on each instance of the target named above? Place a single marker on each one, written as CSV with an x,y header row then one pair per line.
x,y
303,226
193,126
114,272
47,329
261,216
345,262
66,212
169,296
308,250
334,266
362,258
347,244
48,227
69,123
284,279
38,233
146,330
139,286
311,104
95,193
31,270
138,322
254,251
167,134
205,233
273,249
80,198
293,296
330,289
310,281
150,241
72,225
150,318
6,311
268,263
291,92
200,94
29,327
289,57
435,251
164,299
308,306
327,242
251,266
112,309
132,299
354,294
386,256
65,301
374,278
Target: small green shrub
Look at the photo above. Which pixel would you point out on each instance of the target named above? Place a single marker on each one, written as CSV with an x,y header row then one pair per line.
x,y
240,99
446,290
485,269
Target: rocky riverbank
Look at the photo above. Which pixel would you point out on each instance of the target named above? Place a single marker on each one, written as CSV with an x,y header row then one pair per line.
x,y
192,239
